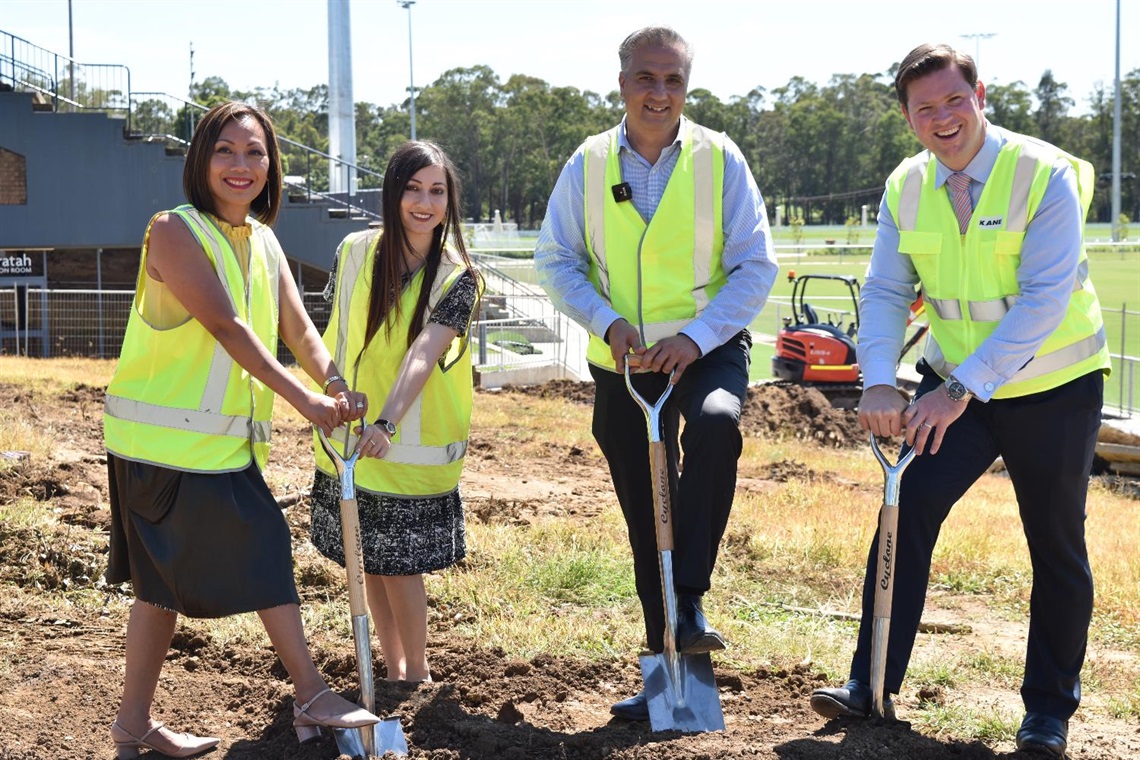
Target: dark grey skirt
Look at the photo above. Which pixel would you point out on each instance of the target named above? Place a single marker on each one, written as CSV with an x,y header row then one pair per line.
x,y
400,535
204,545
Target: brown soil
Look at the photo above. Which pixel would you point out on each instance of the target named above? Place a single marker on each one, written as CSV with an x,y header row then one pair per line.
x,y
61,664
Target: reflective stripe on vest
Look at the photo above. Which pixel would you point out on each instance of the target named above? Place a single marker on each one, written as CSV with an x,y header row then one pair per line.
x,y
132,423
1041,365
439,465
701,162
970,280
995,309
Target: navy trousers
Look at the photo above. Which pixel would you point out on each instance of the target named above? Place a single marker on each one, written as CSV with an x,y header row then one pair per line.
x,y
709,396
1047,441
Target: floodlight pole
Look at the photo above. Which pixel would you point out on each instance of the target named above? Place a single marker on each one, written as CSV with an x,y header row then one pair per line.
x,y
1116,139
71,54
978,37
407,5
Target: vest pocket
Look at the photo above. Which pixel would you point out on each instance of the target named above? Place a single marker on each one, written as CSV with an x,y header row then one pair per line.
x,y
1008,243
920,243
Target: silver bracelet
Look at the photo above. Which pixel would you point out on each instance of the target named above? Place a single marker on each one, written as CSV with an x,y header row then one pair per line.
x,y
330,381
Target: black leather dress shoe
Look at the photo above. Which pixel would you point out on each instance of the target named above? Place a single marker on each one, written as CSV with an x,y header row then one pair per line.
x,y
852,700
1043,732
694,634
634,708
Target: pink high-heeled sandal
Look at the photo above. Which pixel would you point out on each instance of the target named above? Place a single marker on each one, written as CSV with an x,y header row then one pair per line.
x,y
308,727
127,745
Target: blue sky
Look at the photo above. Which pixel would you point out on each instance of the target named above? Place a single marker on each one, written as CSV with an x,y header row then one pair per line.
x,y
740,44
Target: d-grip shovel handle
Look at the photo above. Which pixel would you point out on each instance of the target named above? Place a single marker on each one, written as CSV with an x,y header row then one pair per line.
x,y
885,566
350,523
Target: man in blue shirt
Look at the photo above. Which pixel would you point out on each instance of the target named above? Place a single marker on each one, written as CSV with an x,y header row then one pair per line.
x,y
990,223
679,292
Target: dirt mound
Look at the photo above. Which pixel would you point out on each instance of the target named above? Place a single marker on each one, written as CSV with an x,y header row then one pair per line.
x,y
567,390
770,411
790,410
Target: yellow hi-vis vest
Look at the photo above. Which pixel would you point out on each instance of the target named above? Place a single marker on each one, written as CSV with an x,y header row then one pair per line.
x,y
177,398
426,457
969,282
658,276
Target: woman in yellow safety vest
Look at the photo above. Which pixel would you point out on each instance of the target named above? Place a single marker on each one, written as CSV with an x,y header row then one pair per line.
x,y
403,299
194,527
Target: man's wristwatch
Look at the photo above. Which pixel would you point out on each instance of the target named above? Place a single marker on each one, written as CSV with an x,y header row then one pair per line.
x,y
956,391
388,425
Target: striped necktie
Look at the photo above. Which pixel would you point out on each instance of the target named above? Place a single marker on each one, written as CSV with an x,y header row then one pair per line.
x,y
960,197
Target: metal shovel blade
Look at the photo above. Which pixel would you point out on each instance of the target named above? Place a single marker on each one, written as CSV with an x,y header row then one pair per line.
x,y
692,704
348,742
388,736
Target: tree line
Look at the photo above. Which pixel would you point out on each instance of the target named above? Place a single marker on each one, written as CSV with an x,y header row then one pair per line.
x,y
821,152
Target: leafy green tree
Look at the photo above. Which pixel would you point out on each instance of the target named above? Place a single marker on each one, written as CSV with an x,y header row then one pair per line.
x,y
1011,106
1052,106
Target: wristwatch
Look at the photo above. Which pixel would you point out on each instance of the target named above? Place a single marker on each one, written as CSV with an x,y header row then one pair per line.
x,y
956,391
388,425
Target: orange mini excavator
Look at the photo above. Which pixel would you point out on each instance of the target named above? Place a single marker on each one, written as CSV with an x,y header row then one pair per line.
x,y
820,353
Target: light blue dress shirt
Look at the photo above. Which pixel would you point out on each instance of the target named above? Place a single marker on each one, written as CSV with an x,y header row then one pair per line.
x,y
562,260
1049,257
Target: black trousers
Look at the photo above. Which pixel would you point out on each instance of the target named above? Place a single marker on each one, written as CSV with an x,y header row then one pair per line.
x,y
1047,441
709,397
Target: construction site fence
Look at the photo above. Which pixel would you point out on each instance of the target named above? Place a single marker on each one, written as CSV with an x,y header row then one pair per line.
x,y
525,330
517,330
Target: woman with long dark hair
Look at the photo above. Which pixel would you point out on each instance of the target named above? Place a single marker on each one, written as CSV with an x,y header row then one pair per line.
x,y
403,299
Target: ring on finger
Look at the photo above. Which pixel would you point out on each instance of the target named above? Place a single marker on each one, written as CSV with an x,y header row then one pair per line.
x,y
926,425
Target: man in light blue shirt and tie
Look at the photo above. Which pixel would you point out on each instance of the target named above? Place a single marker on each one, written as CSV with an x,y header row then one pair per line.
x,y
990,224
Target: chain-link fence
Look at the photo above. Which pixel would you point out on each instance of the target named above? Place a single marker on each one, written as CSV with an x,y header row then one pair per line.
x,y
516,331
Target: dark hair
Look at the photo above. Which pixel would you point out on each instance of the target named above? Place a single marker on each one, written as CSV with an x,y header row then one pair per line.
x,y
655,35
384,299
196,173
928,58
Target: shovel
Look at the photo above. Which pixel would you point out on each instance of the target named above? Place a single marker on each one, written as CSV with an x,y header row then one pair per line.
x,y
680,689
885,576
385,736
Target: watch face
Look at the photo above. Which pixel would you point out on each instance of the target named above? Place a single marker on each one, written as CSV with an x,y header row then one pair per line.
x,y
955,389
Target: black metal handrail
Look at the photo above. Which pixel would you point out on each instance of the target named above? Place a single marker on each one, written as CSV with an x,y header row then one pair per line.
x,y
101,86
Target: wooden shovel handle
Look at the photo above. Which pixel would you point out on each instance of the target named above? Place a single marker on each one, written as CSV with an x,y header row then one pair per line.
x,y
886,549
353,556
662,509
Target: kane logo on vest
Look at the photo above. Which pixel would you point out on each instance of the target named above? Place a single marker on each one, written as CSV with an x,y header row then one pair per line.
x,y
990,221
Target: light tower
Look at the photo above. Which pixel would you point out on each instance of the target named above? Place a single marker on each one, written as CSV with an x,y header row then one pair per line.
x,y
342,118
978,37
407,5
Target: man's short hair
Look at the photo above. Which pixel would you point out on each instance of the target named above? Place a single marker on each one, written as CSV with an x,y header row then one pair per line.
x,y
655,35
928,58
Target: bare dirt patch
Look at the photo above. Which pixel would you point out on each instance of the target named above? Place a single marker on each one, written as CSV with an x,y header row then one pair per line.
x,y
61,664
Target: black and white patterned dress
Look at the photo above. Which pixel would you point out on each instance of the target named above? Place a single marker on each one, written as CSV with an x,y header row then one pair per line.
x,y
400,535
